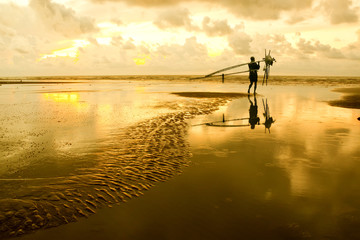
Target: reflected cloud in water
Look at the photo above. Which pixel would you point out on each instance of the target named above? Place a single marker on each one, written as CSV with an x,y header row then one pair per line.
x,y
307,167
312,141
111,145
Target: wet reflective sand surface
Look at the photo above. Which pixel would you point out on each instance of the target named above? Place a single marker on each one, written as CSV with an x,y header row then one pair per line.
x,y
282,164
68,150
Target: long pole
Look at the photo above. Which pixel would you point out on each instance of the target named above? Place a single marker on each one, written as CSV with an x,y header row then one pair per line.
x,y
228,68
227,74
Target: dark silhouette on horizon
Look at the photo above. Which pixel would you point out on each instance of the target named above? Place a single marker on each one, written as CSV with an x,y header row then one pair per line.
x,y
253,76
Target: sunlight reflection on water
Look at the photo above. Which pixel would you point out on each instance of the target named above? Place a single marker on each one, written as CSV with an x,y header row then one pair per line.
x,y
71,150
307,137
307,157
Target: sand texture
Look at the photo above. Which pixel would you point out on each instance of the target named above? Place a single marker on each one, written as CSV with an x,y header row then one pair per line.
x,y
70,150
132,159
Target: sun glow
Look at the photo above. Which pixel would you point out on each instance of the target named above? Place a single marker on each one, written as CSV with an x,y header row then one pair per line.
x,y
214,51
71,52
215,47
104,40
141,60
108,31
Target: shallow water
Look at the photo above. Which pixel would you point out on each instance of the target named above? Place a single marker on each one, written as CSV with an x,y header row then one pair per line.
x,y
295,180
67,150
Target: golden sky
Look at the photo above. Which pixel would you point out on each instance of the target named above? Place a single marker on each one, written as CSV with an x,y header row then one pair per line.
x,y
115,37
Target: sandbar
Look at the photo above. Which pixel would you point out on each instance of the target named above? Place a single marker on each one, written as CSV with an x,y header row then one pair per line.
x,y
350,99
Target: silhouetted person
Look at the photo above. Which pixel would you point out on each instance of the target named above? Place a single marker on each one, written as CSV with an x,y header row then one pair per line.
x,y
253,113
253,68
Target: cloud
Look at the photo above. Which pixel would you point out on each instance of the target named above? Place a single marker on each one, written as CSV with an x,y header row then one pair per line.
x,y
216,27
28,32
159,33
143,3
17,40
301,48
62,19
297,16
6,31
258,10
240,42
117,21
174,18
13,19
180,58
167,58
306,47
341,11
319,49
352,51
180,18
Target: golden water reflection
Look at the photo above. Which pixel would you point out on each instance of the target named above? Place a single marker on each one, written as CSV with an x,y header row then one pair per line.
x,y
62,97
60,127
310,139
300,176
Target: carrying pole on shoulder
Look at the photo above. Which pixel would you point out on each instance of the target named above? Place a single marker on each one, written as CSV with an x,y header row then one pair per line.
x,y
268,59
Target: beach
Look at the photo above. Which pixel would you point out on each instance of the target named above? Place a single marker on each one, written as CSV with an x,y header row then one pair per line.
x,y
165,157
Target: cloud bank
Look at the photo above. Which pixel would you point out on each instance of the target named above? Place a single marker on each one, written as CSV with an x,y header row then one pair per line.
x,y
177,37
62,19
256,9
338,11
341,11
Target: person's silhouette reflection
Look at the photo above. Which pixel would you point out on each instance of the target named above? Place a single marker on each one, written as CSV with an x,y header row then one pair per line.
x,y
268,119
253,113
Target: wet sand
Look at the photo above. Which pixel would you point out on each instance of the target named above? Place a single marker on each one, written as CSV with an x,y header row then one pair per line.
x,y
210,94
292,180
64,157
351,99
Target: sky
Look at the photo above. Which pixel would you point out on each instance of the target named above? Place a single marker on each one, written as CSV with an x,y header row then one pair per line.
x,y
121,37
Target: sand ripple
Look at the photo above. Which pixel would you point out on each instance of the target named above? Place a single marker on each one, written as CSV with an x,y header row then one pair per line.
x,y
132,161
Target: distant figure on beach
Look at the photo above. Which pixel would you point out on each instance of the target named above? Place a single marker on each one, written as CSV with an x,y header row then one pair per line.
x,y
253,113
253,68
